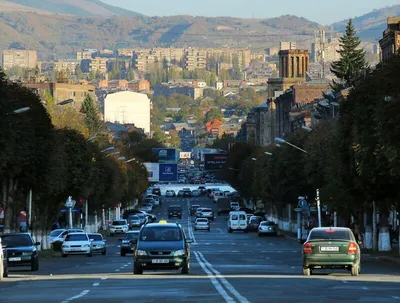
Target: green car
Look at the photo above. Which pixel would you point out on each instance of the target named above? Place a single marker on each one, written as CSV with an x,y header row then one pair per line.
x,y
331,248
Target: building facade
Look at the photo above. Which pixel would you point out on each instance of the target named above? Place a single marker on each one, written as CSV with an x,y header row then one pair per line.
x,y
390,43
20,58
127,107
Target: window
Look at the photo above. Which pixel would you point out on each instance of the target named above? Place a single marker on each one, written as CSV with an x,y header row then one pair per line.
x,y
161,234
119,222
234,217
56,232
130,236
330,234
96,237
242,217
77,237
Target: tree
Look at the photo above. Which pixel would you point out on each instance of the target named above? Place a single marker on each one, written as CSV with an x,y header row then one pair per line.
x,y
26,142
92,120
78,72
352,59
214,114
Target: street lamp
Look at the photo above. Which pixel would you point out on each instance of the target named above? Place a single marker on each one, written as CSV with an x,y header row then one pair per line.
x,y
20,110
280,140
306,128
130,160
235,169
108,149
254,159
268,154
68,101
114,153
121,159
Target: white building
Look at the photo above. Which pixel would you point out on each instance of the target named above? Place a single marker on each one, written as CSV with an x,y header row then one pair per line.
x,y
128,108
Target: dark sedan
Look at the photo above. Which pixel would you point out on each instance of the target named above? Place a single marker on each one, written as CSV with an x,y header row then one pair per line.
x,y
21,250
254,223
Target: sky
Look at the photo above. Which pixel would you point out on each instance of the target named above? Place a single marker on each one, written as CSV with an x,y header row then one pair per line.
x,y
324,12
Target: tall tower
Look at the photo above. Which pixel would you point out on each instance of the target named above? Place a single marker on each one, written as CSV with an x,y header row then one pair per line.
x,y
294,63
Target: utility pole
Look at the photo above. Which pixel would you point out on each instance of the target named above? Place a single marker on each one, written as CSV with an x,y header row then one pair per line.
x,y
319,209
86,215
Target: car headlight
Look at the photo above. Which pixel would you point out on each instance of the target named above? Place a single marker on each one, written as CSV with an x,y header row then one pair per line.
x,y
179,253
26,253
141,253
86,246
65,246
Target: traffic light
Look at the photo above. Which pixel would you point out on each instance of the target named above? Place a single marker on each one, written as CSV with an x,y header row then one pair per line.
x,y
81,201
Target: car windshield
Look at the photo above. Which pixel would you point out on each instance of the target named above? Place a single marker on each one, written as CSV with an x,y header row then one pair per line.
x,y
202,220
16,240
174,208
330,234
118,223
56,232
96,237
234,217
206,210
267,224
77,237
161,234
130,236
134,218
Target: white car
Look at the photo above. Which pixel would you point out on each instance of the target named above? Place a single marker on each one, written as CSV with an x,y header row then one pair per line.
x,y
235,205
76,244
118,227
3,263
170,193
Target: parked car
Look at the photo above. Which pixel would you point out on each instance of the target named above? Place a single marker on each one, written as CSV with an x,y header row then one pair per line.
x,y
98,243
21,250
331,248
254,223
76,244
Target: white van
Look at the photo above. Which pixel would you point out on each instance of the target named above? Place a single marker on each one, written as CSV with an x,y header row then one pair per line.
x,y
237,221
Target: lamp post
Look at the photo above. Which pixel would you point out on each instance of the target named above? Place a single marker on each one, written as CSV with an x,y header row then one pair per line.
x,y
108,149
113,154
19,111
268,154
283,141
121,159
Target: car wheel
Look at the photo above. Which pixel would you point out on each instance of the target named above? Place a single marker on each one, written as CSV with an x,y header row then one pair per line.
x,y
306,271
208,229
5,272
35,265
64,255
185,268
355,270
123,253
137,270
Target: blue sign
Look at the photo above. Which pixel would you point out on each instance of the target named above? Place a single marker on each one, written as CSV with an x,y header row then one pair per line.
x,y
166,155
303,203
168,172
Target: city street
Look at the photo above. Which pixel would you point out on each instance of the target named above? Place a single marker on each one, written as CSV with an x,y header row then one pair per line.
x,y
237,267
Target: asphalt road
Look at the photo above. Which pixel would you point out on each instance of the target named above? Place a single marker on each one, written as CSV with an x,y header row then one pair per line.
x,y
225,267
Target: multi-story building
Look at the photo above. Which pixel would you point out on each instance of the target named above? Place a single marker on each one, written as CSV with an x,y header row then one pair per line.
x,y
127,107
293,66
390,43
166,89
98,64
126,52
287,45
64,91
195,58
85,54
66,66
19,58
324,50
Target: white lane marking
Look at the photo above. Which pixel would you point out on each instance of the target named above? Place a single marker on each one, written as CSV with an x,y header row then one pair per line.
x,y
104,278
125,265
96,284
214,281
83,293
220,230
190,228
364,288
396,297
223,280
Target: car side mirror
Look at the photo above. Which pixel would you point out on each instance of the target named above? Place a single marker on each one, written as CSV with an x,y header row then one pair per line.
x,y
37,243
189,241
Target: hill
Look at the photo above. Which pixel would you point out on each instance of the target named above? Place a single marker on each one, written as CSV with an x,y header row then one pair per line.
x,y
76,7
370,26
66,34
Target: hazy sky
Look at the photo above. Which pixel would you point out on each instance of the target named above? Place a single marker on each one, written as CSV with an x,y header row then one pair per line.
x,y
322,11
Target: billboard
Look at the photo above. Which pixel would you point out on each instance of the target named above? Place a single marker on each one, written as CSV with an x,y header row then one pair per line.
x,y
162,171
154,171
185,155
168,172
166,155
215,161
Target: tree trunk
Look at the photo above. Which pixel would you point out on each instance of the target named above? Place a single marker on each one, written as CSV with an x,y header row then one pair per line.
x,y
9,188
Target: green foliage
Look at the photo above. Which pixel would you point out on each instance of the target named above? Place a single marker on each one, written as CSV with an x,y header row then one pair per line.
x,y
214,114
92,116
352,61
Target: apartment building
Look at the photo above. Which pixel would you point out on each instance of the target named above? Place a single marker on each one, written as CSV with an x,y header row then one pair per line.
x,y
195,58
66,66
287,45
85,54
126,52
98,64
390,43
19,58
323,49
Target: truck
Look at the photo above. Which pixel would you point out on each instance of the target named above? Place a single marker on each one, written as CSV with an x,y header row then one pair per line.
x,y
223,206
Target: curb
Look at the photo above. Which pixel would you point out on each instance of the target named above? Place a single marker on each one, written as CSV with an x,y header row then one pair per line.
x,y
382,258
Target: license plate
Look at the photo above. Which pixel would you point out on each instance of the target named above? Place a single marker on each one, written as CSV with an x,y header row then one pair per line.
x,y
15,259
330,248
160,261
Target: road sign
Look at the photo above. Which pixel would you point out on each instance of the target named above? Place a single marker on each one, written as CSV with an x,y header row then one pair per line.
x,y
303,203
70,203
